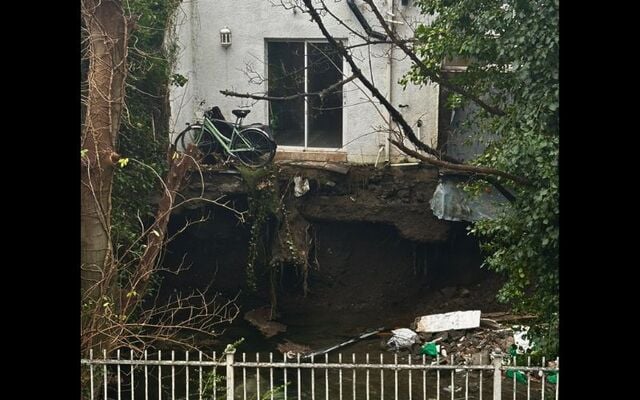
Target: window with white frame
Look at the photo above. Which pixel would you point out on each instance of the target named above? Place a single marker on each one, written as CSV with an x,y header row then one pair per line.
x,y
296,67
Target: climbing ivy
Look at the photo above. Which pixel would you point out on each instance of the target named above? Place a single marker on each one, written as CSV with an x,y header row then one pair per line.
x,y
512,50
263,203
144,129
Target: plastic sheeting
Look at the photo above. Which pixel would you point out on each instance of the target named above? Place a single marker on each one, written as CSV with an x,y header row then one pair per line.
x,y
402,338
301,186
450,202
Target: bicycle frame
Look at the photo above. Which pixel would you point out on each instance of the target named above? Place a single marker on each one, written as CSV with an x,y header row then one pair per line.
x,y
252,145
223,140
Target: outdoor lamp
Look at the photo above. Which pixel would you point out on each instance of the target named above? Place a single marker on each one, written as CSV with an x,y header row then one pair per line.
x,y
225,37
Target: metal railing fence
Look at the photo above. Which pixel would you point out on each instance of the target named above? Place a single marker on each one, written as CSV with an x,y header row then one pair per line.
x,y
162,375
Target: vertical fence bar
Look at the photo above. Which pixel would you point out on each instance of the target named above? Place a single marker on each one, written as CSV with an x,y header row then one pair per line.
x,y
215,377
515,374
340,375
395,376
453,385
186,358
529,379
286,383
229,352
543,378
353,384
438,377
313,381
410,391
271,375
91,373
367,361
257,375
557,376
131,370
466,386
146,377
480,394
497,379
173,375
381,377
326,377
118,376
424,379
299,388
104,372
200,376
159,376
244,377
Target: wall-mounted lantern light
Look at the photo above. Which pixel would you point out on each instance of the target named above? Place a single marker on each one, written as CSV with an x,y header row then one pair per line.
x,y
225,37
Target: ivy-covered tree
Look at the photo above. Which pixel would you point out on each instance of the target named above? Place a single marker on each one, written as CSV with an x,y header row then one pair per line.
x,y
124,154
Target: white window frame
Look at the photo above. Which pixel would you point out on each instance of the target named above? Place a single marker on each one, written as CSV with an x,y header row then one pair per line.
x,y
345,65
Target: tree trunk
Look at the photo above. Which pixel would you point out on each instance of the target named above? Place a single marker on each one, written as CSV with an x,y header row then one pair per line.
x,y
106,28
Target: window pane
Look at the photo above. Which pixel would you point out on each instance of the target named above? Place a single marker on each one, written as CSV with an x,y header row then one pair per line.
x,y
286,77
325,115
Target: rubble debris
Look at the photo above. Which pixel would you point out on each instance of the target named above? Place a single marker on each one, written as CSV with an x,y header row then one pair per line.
x,y
261,319
456,334
489,323
507,317
480,358
402,338
448,321
291,349
335,167
521,339
456,390
470,347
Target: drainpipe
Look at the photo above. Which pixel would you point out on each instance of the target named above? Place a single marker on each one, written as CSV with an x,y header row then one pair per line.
x,y
387,151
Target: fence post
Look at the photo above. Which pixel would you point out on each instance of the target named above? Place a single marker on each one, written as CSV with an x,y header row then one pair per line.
x,y
497,374
229,352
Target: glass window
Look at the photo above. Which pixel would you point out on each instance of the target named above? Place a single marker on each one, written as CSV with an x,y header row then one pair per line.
x,y
299,67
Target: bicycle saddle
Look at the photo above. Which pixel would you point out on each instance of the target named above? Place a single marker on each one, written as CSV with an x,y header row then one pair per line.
x,y
241,113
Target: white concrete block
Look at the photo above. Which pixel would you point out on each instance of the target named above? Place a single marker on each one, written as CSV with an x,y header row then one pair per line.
x,y
448,321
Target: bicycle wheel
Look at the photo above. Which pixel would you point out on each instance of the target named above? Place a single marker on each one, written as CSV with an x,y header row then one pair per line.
x,y
253,147
195,134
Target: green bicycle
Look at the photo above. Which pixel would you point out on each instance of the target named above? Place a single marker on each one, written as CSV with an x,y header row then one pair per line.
x,y
253,145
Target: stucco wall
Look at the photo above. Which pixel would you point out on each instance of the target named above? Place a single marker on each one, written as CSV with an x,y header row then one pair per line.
x,y
211,68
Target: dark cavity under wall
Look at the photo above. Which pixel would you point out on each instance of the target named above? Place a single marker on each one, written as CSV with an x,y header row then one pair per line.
x,y
366,269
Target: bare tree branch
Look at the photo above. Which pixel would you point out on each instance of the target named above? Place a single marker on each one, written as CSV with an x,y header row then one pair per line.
x,y
440,159
395,114
482,171
423,68
320,94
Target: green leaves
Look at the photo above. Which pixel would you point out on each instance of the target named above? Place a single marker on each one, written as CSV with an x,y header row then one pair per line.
x,y
123,162
512,48
144,129
178,80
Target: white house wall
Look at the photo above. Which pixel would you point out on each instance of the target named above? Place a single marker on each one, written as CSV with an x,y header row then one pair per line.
x,y
211,68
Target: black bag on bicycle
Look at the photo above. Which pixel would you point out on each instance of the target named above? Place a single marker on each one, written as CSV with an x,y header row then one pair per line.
x,y
214,113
